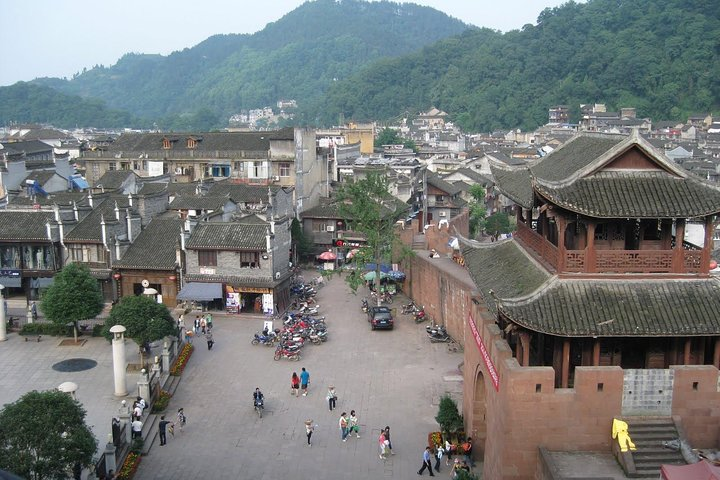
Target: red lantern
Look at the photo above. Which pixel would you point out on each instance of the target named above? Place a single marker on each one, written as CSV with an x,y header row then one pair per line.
x,y
116,276
713,264
172,278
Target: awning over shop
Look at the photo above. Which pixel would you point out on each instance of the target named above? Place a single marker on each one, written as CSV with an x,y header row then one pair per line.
x,y
79,182
201,292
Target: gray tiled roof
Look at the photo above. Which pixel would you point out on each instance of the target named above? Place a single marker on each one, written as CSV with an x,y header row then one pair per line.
x,y
113,179
608,308
89,229
40,176
196,202
503,268
573,155
154,248
437,182
244,280
206,141
228,236
17,226
151,188
514,182
652,194
324,210
243,193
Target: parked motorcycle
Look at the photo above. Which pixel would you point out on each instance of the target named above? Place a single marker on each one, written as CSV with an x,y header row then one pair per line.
x,y
410,308
281,352
420,315
364,305
267,340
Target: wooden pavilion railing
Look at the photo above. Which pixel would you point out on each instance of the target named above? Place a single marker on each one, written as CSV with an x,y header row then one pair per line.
x,y
609,261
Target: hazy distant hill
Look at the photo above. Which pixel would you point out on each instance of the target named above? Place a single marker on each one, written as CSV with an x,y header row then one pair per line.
x,y
296,57
362,61
660,57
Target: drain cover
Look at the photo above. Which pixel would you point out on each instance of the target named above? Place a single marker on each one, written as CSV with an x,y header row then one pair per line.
x,y
74,365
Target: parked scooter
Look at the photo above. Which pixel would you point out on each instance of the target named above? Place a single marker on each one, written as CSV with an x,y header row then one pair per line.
x,y
267,339
364,305
437,333
282,352
410,308
420,315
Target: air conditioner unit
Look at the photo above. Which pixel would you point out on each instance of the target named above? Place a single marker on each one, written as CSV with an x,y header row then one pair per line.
x,y
443,214
330,228
276,178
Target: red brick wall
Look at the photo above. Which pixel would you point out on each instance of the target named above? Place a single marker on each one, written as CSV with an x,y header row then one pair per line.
x,y
698,409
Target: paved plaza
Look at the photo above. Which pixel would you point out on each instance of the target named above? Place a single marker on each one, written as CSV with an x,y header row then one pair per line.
x,y
388,377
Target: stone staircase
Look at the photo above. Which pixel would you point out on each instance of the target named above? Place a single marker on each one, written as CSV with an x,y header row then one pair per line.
x,y
648,434
419,242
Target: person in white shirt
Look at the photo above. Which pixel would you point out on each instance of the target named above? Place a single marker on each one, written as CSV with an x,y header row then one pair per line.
x,y
137,428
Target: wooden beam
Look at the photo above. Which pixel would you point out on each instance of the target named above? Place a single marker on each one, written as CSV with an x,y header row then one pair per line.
x,y
525,341
716,353
686,353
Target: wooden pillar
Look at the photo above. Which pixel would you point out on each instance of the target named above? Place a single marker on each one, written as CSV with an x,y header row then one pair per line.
x,y
565,363
707,246
678,254
686,353
562,224
716,353
590,262
666,235
528,217
596,353
540,357
525,341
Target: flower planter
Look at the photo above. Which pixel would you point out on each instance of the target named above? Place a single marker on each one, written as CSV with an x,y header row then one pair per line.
x,y
130,466
182,359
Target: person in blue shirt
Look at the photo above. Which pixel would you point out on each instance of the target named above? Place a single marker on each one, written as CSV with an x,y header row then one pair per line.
x,y
304,381
427,456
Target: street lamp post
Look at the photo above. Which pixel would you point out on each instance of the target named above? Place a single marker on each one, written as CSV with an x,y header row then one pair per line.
x,y
118,349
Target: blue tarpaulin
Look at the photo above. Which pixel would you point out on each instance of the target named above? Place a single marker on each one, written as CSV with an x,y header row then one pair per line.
x,y
383,267
79,182
201,292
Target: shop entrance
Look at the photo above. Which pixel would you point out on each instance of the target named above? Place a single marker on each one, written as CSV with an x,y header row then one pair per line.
x,y
251,302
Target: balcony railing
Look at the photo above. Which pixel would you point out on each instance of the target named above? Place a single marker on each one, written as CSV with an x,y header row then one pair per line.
x,y
610,261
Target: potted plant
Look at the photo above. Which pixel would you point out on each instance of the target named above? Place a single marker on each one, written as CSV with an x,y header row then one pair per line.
x,y
449,418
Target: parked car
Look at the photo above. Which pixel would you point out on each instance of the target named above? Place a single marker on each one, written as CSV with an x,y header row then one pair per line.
x,y
380,317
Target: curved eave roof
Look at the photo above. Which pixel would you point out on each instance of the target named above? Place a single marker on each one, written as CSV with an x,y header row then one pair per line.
x,y
502,269
514,182
621,194
619,308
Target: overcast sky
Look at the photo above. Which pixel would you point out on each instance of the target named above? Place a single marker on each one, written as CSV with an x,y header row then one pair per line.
x,y
57,38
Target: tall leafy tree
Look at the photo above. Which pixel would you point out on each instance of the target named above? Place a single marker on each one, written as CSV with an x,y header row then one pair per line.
x,y
389,136
73,296
498,222
478,212
43,435
301,244
145,320
368,208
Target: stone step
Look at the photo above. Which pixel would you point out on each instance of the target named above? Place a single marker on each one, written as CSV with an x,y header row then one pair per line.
x,y
149,432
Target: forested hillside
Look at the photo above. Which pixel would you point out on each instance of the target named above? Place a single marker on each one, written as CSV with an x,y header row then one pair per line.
x,y
26,102
660,57
297,57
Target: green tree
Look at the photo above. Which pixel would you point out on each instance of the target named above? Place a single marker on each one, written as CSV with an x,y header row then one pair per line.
x,y
389,136
301,244
448,416
73,296
498,222
44,436
145,321
478,212
368,208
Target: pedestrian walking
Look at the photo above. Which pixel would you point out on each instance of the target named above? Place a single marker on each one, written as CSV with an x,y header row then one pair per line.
x,y
188,336
181,418
181,321
383,443
136,428
439,452
162,429
137,411
353,424
295,384
208,321
203,324
309,428
343,424
210,341
426,462
331,397
467,451
389,442
196,325
449,448
304,381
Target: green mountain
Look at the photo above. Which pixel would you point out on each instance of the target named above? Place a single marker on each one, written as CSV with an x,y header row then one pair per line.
x,y
659,57
297,57
25,102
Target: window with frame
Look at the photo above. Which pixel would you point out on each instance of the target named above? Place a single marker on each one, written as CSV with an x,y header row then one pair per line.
x,y
191,143
257,170
112,166
249,260
166,144
207,258
239,166
284,169
136,165
124,165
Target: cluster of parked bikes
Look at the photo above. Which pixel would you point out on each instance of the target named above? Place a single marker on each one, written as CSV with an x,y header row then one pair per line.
x,y
418,313
436,333
300,325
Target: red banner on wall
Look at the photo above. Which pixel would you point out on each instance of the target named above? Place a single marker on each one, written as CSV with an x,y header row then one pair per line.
x,y
489,365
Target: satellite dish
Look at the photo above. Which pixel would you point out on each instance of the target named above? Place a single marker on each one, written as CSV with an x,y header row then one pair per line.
x,y
145,283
